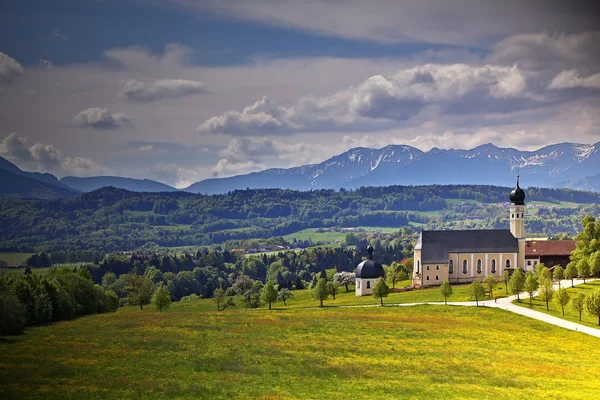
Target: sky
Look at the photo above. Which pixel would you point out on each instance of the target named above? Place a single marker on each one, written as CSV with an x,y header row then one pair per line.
x,y
183,90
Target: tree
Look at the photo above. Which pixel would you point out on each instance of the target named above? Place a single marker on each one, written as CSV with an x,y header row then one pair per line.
x,y
571,272
559,274
531,285
578,303
542,271
476,291
397,273
161,299
583,267
269,293
221,299
320,292
595,263
381,290
446,290
592,305
546,290
333,287
562,299
138,289
517,282
345,279
490,284
505,278
284,295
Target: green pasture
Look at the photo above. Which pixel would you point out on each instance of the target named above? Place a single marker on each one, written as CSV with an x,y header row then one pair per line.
x,y
555,309
37,271
328,236
193,352
14,258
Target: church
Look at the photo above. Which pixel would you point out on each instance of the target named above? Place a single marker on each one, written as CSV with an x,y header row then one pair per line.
x,y
467,255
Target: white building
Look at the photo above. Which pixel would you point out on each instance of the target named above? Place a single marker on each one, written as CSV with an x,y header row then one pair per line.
x,y
367,273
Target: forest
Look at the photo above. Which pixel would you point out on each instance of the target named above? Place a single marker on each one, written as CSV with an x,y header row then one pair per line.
x,y
110,220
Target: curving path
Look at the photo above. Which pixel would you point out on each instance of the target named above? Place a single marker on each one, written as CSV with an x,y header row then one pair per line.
x,y
506,304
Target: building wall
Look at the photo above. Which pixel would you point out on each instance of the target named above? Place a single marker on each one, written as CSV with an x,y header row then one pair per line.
x,y
517,221
417,268
361,286
457,275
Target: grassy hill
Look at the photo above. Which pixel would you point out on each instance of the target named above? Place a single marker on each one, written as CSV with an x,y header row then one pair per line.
x,y
193,352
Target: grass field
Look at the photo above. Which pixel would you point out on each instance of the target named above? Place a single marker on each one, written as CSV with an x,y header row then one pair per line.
x,y
14,258
193,352
37,271
570,314
328,236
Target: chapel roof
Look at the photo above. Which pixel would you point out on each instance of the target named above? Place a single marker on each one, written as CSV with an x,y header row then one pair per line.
x,y
436,245
369,269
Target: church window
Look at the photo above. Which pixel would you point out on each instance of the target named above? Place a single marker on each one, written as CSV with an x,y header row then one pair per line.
x,y
507,263
450,266
437,267
437,278
368,284
418,266
479,266
513,215
493,266
427,277
428,268
358,284
465,269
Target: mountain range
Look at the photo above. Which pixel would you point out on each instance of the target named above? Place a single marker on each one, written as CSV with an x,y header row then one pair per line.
x,y
564,165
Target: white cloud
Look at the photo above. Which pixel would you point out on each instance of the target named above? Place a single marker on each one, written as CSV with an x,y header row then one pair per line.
x,y
9,68
571,79
159,89
377,101
146,148
46,157
225,167
100,118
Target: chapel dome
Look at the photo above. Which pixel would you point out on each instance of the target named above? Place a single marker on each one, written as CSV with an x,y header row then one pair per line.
x,y
517,196
369,269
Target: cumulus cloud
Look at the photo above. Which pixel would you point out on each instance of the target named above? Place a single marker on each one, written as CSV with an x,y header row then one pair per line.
x,y
571,79
377,101
257,149
146,148
9,68
100,118
159,89
46,157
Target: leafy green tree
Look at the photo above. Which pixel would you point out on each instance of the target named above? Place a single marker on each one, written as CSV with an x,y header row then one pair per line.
x,y
269,293
592,304
517,282
446,290
583,268
161,299
139,289
559,274
571,272
222,300
562,299
333,288
476,291
595,263
12,314
505,278
320,291
113,300
531,285
397,273
578,303
545,290
542,271
284,295
381,290
490,283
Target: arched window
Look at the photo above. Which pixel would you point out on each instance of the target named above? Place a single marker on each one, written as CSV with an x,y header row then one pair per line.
x,y
428,268
437,278
507,263
437,267
358,284
479,266
368,284
465,269
427,277
418,266
513,215
450,266
493,266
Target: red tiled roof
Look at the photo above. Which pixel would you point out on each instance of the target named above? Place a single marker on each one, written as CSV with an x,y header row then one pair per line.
x,y
549,247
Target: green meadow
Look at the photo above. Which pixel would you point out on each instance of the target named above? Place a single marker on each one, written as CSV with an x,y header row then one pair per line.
x,y
14,258
193,352
555,309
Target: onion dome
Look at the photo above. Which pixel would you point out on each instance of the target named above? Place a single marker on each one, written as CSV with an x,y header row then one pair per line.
x,y
517,196
369,269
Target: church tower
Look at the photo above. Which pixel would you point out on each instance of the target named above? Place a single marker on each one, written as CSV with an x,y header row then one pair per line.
x,y
517,220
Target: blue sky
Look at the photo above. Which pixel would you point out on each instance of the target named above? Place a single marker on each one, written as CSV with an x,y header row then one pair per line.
x,y
184,90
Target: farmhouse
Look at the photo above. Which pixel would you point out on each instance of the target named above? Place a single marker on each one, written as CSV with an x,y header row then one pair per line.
x,y
468,255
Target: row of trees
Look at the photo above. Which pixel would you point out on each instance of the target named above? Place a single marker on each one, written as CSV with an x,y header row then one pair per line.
x,y
63,294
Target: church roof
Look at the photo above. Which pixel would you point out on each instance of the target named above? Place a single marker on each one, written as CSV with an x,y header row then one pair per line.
x,y
537,248
369,269
436,245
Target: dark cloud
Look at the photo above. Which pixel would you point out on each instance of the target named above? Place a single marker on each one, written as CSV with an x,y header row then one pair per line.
x,y
100,118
